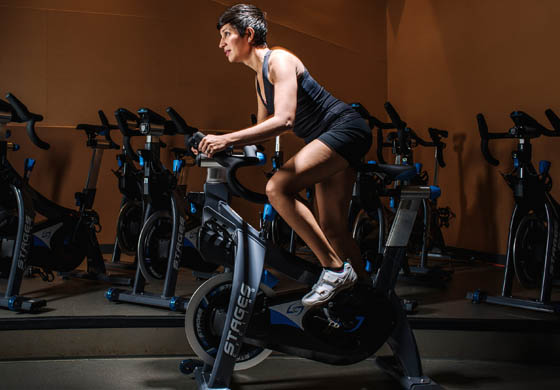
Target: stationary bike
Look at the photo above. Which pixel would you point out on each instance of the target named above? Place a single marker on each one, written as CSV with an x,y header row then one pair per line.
x,y
129,179
369,218
533,251
170,217
62,241
233,320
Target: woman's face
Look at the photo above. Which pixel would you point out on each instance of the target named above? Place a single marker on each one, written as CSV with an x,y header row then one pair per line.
x,y
235,47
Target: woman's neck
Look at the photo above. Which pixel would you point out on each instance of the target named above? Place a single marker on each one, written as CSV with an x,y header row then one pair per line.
x,y
256,58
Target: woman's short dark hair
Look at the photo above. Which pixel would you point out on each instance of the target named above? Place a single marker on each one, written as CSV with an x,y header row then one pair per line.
x,y
243,16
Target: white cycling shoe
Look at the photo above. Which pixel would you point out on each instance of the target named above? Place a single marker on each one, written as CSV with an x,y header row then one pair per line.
x,y
329,284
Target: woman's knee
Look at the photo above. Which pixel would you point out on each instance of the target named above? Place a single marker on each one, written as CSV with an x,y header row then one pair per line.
x,y
274,190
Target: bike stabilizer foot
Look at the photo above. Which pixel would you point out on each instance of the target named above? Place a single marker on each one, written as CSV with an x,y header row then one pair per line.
x,y
388,364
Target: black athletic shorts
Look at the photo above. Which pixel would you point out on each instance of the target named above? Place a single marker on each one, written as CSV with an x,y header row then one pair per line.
x,y
349,136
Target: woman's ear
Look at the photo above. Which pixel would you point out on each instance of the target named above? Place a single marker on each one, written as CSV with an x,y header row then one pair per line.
x,y
250,32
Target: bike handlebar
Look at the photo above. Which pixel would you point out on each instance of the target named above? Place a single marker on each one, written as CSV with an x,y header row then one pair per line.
x,y
232,163
104,129
149,118
526,127
553,119
24,115
374,122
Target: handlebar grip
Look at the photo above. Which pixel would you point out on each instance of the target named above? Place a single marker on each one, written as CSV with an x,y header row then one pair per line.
x,y
483,130
382,125
436,133
180,123
124,116
107,128
554,121
395,118
29,117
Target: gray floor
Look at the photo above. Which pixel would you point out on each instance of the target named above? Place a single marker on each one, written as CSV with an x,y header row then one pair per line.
x,y
18,349
275,373
76,297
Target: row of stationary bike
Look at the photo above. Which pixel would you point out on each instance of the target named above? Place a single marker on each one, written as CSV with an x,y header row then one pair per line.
x,y
236,318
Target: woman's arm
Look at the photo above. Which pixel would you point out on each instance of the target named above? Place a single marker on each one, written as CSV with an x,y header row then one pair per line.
x,y
283,74
261,109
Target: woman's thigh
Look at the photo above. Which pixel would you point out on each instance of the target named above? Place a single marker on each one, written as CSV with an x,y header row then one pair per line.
x,y
314,163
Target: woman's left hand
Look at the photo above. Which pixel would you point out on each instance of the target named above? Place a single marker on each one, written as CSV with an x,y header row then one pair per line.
x,y
212,144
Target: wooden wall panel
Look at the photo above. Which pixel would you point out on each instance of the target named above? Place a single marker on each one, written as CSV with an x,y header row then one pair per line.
x,y
68,59
448,61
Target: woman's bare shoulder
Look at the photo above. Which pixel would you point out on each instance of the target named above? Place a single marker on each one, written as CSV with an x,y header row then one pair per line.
x,y
285,57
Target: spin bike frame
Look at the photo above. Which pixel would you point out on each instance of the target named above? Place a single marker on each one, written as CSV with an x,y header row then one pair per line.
x,y
252,252
530,194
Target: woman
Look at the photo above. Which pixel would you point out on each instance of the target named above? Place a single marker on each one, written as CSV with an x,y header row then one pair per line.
x,y
336,139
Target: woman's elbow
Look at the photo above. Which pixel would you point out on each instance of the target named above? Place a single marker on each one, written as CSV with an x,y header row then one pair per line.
x,y
285,122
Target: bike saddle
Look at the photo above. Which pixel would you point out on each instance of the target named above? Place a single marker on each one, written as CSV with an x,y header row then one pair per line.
x,y
393,172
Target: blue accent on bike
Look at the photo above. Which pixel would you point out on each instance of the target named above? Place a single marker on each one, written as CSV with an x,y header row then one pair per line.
x,y
544,167
269,213
193,208
15,148
187,243
110,294
103,133
143,111
418,167
369,267
29,164
268,279
141,160
274,164
392,202
372,162
280,319
174,303
38,242
360,322
435,192
12,303
262,158
119,162
177,165
516,163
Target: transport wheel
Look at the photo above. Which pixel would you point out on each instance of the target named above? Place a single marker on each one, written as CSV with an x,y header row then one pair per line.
x,y
204,319
529,250
129,225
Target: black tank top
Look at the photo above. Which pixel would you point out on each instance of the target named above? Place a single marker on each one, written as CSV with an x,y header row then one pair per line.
x,y
316,107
